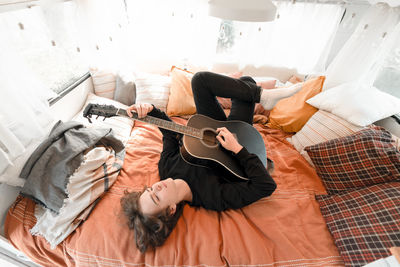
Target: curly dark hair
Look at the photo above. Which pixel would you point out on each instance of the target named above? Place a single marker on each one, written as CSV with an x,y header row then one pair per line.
x,y
150,230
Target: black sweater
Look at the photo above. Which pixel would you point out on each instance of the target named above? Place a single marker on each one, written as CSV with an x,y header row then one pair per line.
x,y
211,188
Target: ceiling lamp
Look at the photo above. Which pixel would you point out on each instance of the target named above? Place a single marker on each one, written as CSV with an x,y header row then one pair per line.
x,y
242,10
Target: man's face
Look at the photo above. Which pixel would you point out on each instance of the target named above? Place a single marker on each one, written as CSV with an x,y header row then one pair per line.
x,y
158,197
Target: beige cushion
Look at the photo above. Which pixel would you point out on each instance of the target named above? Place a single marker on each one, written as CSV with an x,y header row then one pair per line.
x,y
153,89
321,127
103,82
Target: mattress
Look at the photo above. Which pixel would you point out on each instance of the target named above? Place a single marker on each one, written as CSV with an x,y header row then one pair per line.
x,y
285,229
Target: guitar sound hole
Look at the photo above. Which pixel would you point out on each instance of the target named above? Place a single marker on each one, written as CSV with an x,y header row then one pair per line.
x,y
209,138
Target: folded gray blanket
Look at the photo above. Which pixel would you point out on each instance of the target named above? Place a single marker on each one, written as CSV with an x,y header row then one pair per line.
x,y
49,167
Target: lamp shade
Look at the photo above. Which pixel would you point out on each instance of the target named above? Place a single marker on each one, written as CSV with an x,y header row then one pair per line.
x,y
242,10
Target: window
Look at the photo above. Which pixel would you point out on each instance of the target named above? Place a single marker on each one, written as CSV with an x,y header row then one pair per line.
x,y
388,79
47,39
300,37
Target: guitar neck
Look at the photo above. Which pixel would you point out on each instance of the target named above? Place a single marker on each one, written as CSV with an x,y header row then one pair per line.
x,y
168,125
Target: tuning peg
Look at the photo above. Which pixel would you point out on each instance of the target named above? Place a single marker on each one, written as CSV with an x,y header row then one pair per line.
x,y
104,118
97,117
90,121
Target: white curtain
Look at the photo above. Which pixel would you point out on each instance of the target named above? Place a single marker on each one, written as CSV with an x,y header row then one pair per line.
x,y
176,32
102,25
362,54
300,37
392,3
386,72
171,32
386,55
24,112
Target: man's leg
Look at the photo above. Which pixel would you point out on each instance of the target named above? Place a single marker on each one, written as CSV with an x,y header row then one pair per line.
x,y
244,93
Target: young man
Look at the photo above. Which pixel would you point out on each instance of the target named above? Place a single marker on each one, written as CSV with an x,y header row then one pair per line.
x,y
154,211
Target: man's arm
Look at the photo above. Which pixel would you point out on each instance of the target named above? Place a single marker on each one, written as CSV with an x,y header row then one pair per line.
x,y
170,138
219,195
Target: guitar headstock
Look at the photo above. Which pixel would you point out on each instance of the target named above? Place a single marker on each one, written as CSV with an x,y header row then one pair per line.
x,y
105,111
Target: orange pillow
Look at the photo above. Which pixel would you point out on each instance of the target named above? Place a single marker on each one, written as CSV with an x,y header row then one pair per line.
x,y
290,114
180,100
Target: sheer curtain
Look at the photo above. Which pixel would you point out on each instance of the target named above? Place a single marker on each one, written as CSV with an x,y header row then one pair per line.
x,y
102,28
39,47
361,55
392,3
24,112
171,32
386,72
300,37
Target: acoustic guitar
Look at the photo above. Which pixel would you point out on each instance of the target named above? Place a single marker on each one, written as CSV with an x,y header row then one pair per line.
x,y
200,145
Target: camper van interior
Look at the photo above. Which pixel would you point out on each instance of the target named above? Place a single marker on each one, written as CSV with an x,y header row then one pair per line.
x,y
69,70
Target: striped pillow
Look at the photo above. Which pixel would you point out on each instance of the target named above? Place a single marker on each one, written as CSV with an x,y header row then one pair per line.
x,y
103,83
321,127
153,89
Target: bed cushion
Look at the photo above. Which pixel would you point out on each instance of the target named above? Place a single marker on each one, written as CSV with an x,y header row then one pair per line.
x,y
290,114
266,82
181,101
321,127
153,88
125,88
359,104
103,82
362,159
364,222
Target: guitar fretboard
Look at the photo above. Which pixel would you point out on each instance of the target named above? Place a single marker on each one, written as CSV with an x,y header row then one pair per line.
x,y
168,125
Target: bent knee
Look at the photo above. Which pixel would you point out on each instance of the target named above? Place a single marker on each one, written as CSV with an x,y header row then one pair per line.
x,y
199,79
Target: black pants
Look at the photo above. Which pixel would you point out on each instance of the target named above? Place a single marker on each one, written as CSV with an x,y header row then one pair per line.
x,y
243,92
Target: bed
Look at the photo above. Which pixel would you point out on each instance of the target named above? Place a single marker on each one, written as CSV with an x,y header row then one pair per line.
x,y
285,229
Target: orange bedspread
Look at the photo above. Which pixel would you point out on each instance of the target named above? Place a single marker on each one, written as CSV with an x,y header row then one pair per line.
x,y
285,229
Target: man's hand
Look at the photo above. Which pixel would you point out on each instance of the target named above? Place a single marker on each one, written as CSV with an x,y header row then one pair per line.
x,y
228,141
141,109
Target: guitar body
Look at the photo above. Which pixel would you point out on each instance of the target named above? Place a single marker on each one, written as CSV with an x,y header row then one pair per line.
x,y
208,151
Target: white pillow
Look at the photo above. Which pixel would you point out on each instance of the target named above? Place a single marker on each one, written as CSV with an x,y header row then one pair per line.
x,y
360,105
121,126
321,127
153,89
